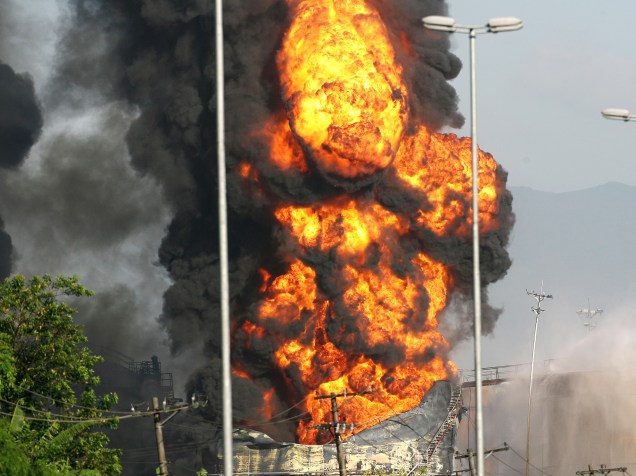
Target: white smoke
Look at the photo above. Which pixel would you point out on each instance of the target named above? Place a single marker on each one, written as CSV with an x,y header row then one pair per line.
x,y
583,406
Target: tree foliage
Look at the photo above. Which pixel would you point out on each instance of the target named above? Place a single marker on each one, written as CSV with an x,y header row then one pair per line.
x,y
47,379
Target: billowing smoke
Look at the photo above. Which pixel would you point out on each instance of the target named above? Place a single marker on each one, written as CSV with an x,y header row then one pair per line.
x,y
69,199
148,67
20,126
6,249
20,117
582,406
159,58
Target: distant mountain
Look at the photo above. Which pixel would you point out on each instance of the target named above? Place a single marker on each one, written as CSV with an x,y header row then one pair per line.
x,y
581,245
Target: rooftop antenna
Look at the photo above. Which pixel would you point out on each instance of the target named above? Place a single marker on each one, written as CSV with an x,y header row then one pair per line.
x,y
588,315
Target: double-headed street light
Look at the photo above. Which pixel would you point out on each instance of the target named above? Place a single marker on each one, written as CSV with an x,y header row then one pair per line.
x,y
495,25
618,115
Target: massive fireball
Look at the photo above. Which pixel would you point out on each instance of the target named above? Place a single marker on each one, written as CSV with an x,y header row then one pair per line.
x,y
357,305
342,87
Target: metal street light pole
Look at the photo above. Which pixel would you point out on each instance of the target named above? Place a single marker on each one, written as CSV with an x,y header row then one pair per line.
x,y
495,25
223,244
537,310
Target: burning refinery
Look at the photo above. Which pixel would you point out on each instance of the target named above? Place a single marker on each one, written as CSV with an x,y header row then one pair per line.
x,y
350,226
369,208
350,205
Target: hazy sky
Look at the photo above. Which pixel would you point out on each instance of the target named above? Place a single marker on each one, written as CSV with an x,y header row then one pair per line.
x,y
540,90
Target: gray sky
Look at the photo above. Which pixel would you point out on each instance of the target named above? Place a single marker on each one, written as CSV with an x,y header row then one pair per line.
x,y
540,90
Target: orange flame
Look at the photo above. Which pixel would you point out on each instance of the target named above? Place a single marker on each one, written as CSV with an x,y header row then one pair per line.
x,y
367,317
345,95
440,166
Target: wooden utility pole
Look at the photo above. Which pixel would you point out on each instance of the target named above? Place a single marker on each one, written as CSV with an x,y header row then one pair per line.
x,y
163,463
336,425
603,470
471,462
470,454
174,410
341,456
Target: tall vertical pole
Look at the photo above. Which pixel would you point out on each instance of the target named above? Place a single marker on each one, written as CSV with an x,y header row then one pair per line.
x,y
540,296
479,431
534,346
223,244
163,463
471,462
339,449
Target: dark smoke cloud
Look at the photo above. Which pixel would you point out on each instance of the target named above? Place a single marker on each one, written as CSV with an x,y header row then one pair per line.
x,y
106,320
428,62
20,126
20,117
78,177
6,251
159,57
76,206
83,192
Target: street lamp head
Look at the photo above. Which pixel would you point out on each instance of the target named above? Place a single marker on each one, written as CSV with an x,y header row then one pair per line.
x,y
439,23
617,114
497,25
448,24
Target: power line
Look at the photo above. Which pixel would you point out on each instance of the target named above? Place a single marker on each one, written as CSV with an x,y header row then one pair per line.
x,y
526,461
508,466
71,405
470,423
604,470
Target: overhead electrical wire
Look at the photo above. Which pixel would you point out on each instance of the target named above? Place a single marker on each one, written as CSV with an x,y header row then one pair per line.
x,y
524,460
71,405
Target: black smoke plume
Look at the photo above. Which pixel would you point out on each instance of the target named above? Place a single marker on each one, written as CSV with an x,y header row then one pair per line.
x,y
20,126
159,57
20,117
6,250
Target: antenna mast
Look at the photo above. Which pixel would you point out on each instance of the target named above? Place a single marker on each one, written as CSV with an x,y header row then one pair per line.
x,y
588,315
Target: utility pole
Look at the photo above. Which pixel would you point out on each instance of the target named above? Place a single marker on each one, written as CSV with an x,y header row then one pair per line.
x,y
339,450
540,296
471,462
338,426
161,451
603,470
470,455
163,463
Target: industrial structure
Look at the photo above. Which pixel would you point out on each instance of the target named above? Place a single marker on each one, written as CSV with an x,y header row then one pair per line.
x,y
412,442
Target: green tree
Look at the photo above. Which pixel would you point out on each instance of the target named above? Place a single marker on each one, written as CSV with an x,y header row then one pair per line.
x,y
47,379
